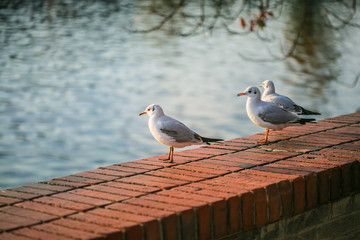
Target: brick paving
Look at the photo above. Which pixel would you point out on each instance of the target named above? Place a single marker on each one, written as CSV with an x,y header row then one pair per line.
x,y
207,193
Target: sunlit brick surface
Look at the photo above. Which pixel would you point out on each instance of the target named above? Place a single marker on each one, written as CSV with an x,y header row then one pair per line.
x,y
207,193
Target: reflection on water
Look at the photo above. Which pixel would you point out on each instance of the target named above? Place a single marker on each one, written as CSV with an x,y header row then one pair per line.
x,y
315,60
73,80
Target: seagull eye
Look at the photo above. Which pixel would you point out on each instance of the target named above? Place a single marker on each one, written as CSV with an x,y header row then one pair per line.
x,y
148,109
249,91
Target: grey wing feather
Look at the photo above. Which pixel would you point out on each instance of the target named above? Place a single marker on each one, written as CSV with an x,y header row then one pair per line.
x,y
282,101
273,114
178,131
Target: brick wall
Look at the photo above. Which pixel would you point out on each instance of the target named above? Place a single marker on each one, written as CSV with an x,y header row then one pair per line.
x,y
306,181
333,220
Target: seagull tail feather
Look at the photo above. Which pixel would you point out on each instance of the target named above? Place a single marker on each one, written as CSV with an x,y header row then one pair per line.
x,y
209,140
305,120
303,111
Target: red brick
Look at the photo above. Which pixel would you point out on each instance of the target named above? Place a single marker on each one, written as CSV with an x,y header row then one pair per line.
x,y
188,224
67,183
248,210
335,183
130,186
45,186
174,200
94,175
219,213
190,196
134,232
191,167
204,222
151,225
298,185
155,204
153,181
112,173
77,179
311,191
234,222
169,227
139,165
111,233
8,200
324,186
62,203
114,190
285,190
36,234
137,209
26,213
119,167
261,217
274,202
217,164
39,207
67,232
7,226
36,191
99,195
103,221
11,221
175,174
15,194
81,199
10,236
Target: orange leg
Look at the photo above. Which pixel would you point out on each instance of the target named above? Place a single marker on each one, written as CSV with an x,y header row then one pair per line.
x,y
170,157
265,140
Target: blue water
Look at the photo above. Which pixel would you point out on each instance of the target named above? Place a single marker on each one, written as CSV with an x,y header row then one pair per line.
x,y
73,80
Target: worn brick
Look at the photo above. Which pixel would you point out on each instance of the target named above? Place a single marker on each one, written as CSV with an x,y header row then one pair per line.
x,y
38,234
324,186
81,199
44,208
27,213
248,210
299,194
188,224
274,202
234,214
8,200
67,232
311,190
204,222
110,233
9,221
62,203
219,218
170,227
285,190
261,208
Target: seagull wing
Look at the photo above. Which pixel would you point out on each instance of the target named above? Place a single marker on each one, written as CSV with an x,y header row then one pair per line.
x,y
274,114
178,131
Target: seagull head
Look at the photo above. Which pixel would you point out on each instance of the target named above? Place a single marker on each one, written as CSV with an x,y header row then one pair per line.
x,y
250,92
152,109
268,85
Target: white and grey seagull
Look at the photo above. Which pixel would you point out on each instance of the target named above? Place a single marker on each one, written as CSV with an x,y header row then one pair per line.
x,y
267,114
171,132
269,95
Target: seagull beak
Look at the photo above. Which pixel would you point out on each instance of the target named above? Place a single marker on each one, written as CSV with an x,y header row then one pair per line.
x,y
142,113
261,85
241,94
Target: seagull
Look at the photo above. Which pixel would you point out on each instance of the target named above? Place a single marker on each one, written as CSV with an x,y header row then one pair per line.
x,y
171,132
267,114
269,95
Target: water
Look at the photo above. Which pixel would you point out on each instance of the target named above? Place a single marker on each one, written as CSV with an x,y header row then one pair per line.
x,y
73,80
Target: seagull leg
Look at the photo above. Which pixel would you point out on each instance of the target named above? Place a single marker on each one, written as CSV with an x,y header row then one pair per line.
x,y
266,137
170,157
